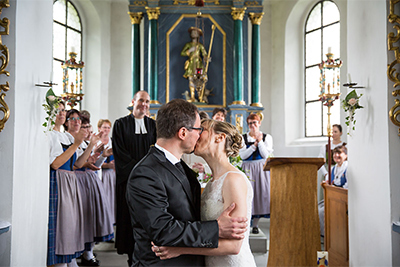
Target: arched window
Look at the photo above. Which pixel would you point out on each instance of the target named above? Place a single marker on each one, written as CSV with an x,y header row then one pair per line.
x,y
322,31
67,37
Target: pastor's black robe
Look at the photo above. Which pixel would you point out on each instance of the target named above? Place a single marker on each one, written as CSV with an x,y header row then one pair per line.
x,y
128,149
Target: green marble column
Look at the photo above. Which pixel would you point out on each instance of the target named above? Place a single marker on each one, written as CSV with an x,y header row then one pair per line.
x,y
238,14
255,57
152,79
135,20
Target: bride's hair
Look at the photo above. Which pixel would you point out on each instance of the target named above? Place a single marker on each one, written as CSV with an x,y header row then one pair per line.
x,y
233,138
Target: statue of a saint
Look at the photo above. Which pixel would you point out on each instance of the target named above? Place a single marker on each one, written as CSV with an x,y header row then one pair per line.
x,y
196,53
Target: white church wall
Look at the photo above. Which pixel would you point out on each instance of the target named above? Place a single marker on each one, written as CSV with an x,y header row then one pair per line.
x,y
25,172
120,88
394,166
266,67
96,21
369,162
107,56
7,143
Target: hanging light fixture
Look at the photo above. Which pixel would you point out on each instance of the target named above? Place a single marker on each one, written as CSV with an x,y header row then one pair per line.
x,y
72,72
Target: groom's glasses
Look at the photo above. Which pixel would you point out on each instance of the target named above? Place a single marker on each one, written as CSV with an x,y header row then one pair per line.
x,y
195,128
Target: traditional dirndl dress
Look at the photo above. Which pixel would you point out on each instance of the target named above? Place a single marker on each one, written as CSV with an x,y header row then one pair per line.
x,y
98,226
65,233
109,183
260,180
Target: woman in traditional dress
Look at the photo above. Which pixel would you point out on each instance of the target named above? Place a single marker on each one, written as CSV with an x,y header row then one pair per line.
x,y
218,142
65,233
338,178
257,147
97,225
323,151
108,168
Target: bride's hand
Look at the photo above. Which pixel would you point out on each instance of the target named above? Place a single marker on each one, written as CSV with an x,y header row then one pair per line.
x,y
165,253
231,227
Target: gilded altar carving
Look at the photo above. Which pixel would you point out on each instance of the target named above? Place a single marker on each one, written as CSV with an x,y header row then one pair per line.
x,y
238,13
140,3
192,2
393,75
256,18
153,12
239,122
136,17
4,59
251,3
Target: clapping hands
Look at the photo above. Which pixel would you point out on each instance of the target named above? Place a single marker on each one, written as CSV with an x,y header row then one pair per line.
x,y
106,151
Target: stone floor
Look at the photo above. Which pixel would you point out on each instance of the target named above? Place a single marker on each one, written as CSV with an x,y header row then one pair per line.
x,y
109,257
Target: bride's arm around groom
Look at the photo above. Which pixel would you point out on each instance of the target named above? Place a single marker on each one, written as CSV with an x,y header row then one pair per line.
x,y
219,141
164,201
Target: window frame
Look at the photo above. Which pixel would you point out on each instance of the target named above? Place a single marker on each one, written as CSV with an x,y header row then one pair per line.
x,y
66,28
322,58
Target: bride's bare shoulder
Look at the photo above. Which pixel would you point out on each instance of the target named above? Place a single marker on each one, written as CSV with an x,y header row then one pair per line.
x,y
234,178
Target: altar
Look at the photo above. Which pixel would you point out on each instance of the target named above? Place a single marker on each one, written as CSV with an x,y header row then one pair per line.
x,y
233,80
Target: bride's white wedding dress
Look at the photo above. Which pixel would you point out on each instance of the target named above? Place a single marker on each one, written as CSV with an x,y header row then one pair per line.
x,y
211,208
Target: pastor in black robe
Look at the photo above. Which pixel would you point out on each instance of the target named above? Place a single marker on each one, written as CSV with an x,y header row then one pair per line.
x,y
128,149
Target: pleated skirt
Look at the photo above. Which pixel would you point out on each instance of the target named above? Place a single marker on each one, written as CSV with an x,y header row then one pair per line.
x,y
109,183
98,225
260,180
65,218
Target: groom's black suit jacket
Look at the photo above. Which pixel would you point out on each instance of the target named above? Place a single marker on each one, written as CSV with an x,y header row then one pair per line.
x,y
166,210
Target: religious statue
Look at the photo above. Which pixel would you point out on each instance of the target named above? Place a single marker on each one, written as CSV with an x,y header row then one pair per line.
x,y
196,53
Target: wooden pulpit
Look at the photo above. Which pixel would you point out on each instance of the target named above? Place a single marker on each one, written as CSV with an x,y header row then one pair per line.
x,y
336,225
294,225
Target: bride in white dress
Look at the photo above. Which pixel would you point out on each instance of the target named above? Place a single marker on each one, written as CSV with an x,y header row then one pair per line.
x,y
218,142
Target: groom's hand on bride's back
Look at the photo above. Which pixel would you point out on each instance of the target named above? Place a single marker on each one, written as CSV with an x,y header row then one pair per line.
x,y
231,227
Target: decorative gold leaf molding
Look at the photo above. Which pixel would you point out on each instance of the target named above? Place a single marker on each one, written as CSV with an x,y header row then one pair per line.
x,y
193,2
239,122
251,3
140,3
136,17
256,18
238,13
153,12
4,59
393,75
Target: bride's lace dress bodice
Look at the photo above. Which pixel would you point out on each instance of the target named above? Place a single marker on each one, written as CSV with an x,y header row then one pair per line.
x,y
212,205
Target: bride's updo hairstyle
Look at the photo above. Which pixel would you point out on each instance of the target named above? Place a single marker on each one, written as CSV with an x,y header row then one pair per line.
x,y
233,138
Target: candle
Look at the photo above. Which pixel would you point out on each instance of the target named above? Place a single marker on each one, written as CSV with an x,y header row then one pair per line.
x,y
329,50
349,78
73,49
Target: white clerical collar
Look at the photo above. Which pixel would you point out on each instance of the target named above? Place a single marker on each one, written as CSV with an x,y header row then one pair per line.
x,y
170,157
140,127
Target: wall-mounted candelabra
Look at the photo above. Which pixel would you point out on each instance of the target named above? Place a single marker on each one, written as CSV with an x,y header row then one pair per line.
x,y
330,91
72,93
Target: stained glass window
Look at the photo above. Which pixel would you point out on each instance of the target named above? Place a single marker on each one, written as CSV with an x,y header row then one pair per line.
x,y
322,31
67,37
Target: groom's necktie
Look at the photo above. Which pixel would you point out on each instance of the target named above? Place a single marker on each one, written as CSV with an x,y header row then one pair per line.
x,y
184,178
180,167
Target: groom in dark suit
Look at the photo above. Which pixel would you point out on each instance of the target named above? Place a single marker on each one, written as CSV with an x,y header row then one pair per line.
x,y
163,194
